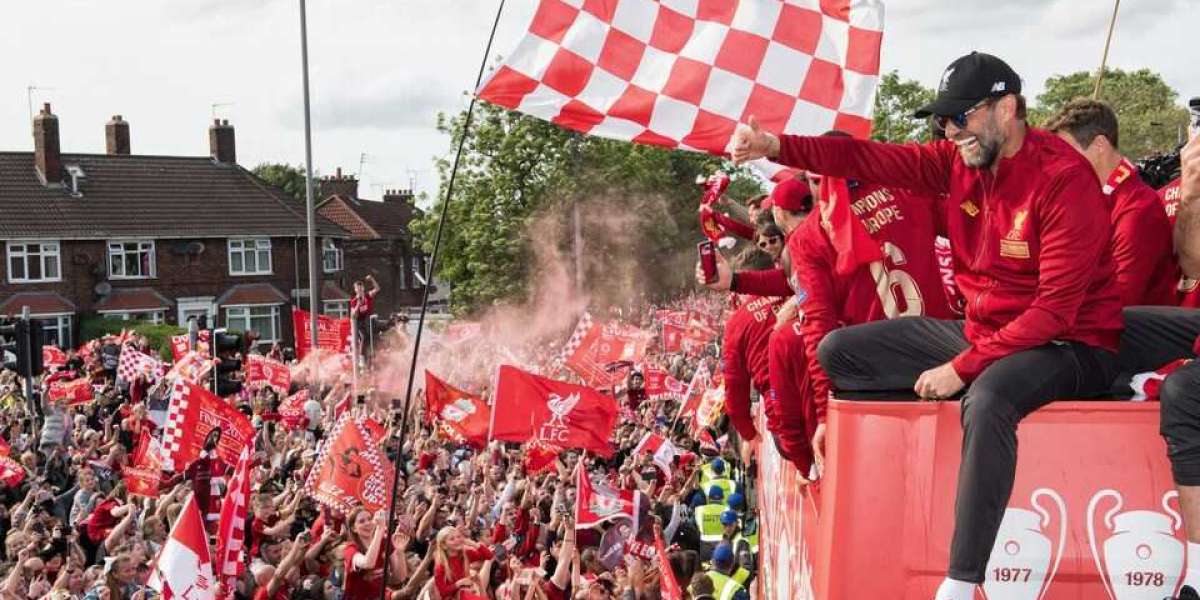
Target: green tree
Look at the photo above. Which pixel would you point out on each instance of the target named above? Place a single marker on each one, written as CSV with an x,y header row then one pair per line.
x,y
514,194
283,176
1146,106
896,100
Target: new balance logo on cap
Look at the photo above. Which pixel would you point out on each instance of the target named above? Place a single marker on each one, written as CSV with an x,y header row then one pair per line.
x,y
998,86
945,85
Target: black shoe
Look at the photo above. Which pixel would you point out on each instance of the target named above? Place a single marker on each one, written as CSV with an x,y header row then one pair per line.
x,y
1187,592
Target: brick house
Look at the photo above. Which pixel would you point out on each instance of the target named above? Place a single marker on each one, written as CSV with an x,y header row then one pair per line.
x,y
380,242
158,238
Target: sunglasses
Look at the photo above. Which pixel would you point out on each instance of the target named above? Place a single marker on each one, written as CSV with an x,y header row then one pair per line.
x,y
960,120
770,241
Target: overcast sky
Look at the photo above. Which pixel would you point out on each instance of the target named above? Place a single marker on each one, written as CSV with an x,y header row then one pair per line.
x,y
382,69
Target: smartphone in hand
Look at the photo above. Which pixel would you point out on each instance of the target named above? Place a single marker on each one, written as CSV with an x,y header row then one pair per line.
x,y
708,260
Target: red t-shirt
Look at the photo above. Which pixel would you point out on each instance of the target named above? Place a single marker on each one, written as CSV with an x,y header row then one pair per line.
x,y
280,594
362,307
445,577
553,592
361,584
258,531
1141,241
1188,291
745,360
904,227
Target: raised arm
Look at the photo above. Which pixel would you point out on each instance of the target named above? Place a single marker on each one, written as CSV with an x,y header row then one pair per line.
x,y
1187,223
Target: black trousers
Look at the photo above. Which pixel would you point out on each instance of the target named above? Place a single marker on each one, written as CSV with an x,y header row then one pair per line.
x,y
891,355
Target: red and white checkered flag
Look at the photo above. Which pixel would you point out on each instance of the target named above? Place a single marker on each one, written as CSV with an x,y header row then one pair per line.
x,y
581,330
231,533
133,363
684,73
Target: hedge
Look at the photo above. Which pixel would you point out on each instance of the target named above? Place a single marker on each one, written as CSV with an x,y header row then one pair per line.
x,y
159,336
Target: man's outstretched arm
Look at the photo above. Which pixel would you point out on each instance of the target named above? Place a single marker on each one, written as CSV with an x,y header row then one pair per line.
x,y
1187,223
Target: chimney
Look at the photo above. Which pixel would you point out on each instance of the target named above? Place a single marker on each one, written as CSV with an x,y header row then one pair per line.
x,y
345,185
398,195
46,156
220,142
116,135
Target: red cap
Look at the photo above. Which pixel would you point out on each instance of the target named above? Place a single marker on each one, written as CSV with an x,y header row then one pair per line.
x,y
792,195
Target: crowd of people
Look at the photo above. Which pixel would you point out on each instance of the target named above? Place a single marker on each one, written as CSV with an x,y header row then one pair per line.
x,y
1005,265
494,521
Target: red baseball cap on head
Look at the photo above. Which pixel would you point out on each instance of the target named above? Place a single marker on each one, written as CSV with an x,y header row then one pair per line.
x,y
792,195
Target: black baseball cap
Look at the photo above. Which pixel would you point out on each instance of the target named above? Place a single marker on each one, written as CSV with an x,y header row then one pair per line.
x,y
969,80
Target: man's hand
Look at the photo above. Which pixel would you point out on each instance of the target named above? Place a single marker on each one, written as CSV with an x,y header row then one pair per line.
x,y
751,142
724,275
1189,159
939,383
748,449
818,448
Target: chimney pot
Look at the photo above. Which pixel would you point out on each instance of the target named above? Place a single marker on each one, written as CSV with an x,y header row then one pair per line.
x,y
221,144
339,173
46,155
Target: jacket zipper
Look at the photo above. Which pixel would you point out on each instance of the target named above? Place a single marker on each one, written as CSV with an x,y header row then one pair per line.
x,y
984,237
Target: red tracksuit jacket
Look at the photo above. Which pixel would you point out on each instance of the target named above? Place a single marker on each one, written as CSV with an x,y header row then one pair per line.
x,y
910,283
744,359
1030,241
1144,259
1188,291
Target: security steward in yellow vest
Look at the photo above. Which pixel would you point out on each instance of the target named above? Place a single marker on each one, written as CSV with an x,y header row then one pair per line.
x,y
724,575
713,473
737,505
708,516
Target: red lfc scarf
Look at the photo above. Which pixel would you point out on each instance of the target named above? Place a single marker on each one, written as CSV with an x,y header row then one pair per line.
x,y
849,236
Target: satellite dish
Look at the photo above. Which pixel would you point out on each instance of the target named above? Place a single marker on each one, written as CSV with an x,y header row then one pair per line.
x,y
103,288
195,248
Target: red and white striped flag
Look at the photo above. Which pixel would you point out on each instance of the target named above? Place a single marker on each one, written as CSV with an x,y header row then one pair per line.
x,y
231,532
183,567
683,74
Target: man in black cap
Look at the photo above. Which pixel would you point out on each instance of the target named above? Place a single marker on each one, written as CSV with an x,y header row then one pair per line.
x,y
1029,229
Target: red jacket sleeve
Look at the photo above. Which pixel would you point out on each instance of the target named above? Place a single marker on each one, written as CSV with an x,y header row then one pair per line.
x,y
734,226
922,168
1073,227
737,377
1141,244
814,272
769,282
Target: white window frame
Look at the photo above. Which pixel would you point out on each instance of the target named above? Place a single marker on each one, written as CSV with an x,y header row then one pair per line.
x,y
157,316
338,309
43,252
62,328
259,247
117,248
193,304
331,250
414,268
245,320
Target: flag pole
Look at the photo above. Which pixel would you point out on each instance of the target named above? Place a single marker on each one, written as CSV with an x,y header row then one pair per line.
x,y
1112,24
429,270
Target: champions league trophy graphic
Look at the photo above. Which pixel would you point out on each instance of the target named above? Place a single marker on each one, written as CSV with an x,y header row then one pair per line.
x,y
1141,558
1023,561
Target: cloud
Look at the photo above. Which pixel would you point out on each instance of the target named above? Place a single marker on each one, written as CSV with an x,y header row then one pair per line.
x,y
400,105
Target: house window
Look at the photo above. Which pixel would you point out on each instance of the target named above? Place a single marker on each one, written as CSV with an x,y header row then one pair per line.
x,y
415,272
332,256
250,256
33,261
263,319
56,330
131,260
149,316
338,309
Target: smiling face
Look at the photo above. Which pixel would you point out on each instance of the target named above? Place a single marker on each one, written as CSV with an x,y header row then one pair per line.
x,y
980,139
364,527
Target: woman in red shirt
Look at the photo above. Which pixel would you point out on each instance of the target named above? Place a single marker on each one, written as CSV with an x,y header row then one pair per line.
x,y
363,556
452,563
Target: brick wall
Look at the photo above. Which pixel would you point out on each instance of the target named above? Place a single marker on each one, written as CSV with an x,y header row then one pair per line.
x,y
179,274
